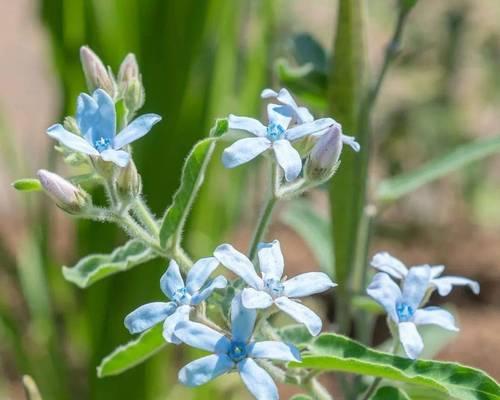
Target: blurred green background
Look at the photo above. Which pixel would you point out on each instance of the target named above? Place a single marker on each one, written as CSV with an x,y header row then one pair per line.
x,y
201,60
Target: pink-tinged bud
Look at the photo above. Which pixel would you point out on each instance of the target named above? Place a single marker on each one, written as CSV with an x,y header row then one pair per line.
x,y
96,74
67,196
324,158
130,83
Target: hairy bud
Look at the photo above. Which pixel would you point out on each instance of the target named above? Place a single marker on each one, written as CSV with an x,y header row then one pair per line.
x,y
96,74
128,182
67,196
323,160
130,83
71,125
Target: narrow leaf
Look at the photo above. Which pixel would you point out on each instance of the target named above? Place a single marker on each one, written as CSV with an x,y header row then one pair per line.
x,y
95,267
332,352
393,188
132,353
193,175
390,393
27,185
314,229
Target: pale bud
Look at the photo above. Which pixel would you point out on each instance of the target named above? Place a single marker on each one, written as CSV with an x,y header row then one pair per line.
x,y
324,157
128,182
130,83
96,74
71,125
67,196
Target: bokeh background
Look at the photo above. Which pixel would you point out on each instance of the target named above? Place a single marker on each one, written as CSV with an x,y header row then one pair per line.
x,y
205,59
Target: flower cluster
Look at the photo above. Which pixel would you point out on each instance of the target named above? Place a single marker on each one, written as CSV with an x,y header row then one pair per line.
x,y
404,303
238,350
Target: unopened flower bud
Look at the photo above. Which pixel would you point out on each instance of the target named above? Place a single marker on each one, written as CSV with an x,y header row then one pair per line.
x,y
128,182
130,83
67,196
324,157
71,125
96,74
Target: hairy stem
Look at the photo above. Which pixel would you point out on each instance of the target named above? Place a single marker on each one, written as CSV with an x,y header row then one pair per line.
x,y
138,232
318,391
145,216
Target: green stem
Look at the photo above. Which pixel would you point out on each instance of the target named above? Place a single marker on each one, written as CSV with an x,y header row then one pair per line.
x,y
138,232
181,258
318,391
143,213
262,225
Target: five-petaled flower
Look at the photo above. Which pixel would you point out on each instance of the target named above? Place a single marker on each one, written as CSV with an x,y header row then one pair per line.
x,y
403,306
96,119
184,297
302,115
384,262
271,288
237,352
277,135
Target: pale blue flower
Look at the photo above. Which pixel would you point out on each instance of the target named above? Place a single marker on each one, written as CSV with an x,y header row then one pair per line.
x,y
237,352
277,135
272,288
96,119
302,115
403,307
443,284
183,298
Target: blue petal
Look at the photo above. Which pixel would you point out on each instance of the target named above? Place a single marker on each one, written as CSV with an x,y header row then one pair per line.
x,y
308,284
86,111
302,113
118,157
288,158
410,339
71,140
205,369
445,284
171,281
244,150
301,314
148,315
247,124
279,115
199,273
135,130
274,351
385,292
239,264
415,286
253,298
435,316
218,283
384,262
309,128
257,380
180,315
202,337
271,259
242,320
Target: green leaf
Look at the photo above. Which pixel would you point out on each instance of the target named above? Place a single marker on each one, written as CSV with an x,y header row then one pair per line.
x,y
297,335
390,393
314,230
27,185
331,352
365,303
95,267
193,175
301,397
132,353
393,188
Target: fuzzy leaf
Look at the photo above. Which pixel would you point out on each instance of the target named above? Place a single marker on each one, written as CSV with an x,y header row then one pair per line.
x,y
27,185
330,352
393,188
389,393
297,335
95,267
193,175
132,353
